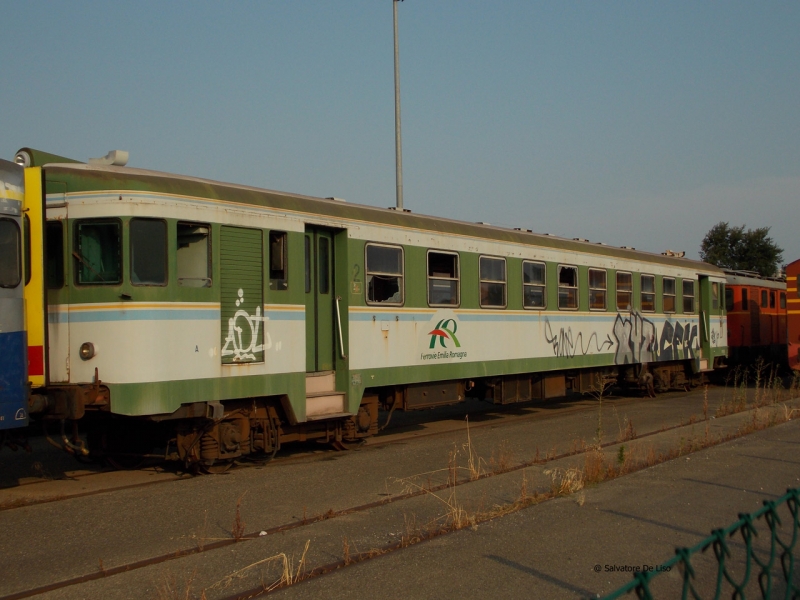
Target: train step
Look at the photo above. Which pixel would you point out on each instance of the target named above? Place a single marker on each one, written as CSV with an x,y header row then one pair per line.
x,y
320,381
324,405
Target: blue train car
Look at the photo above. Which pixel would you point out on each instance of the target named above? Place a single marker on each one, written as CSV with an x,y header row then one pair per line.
x,y
13,342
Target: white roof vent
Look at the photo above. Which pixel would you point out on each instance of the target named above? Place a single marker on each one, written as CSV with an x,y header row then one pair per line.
x,y
117,158
675,254
336,199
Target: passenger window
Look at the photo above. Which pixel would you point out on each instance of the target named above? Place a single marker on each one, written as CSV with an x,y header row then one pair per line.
x,y
384,271
668,296
729,299
688,296
324,262
648,293
308,264
278,257
493,282
624,291
533,285
54,230
148,252
194,255
715,295
567,287
763,298
597,289
10,254
783,300
772,299
98,252
443,279
744,299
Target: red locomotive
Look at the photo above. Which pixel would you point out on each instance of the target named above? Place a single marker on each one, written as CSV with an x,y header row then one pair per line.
x,y
756,308
793,314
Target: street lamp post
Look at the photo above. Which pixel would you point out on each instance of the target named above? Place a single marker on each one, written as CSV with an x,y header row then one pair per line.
x,y
398,145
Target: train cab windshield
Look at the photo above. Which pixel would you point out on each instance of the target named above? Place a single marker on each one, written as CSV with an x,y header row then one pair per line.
x,y
10,254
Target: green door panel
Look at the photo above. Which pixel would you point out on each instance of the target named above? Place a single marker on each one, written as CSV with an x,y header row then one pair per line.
x,y
241,302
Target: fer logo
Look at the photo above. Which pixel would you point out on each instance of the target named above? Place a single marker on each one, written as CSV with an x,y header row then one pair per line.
x,y
446,328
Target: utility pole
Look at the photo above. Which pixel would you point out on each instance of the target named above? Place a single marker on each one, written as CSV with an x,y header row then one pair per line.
x,y
398,144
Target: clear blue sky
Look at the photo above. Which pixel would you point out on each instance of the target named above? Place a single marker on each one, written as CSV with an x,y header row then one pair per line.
x,y
630,123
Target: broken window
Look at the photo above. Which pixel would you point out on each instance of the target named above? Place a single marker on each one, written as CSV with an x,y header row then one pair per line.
x,y
533,285
148,252
194,255
567,287
624,291
493,282
384,271
443,280
597,289
98,252
648,293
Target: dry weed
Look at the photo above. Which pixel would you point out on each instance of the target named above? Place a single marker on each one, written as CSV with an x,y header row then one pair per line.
x,y
289,572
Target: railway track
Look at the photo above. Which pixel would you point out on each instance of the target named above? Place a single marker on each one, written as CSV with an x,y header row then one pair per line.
x,y
355,510
406,427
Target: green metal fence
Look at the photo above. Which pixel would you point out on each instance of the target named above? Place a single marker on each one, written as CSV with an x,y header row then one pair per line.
x,y
761,570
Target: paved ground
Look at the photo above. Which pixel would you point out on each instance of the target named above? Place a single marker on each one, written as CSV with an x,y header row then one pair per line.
x,y
552,550
548,550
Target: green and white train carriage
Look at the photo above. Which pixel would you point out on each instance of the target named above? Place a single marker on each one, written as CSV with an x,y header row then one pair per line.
x,y
236,319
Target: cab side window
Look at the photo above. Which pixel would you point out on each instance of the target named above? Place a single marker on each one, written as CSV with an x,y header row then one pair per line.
x,y
98,252
194,255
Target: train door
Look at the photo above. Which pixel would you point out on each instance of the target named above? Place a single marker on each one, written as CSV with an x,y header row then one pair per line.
x,y
13,340
320,300
57,270
709,303
712,322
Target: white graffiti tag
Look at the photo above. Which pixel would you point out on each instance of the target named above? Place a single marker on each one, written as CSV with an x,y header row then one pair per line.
x,y
239,350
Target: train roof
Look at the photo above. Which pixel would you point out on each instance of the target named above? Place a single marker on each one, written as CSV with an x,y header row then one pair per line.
x,y
752,278
86,177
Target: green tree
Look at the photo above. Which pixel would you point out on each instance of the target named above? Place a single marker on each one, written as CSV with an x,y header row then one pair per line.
x,y
736,248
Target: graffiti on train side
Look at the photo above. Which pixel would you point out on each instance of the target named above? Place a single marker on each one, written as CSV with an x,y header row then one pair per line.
x,y
633,339
638,339
564,343
244,349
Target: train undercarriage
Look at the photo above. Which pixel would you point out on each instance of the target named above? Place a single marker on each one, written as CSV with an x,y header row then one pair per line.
x,y
209,437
